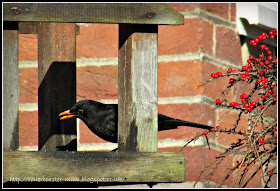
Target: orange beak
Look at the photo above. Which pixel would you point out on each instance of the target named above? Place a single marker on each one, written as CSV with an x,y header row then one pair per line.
x,y
67,115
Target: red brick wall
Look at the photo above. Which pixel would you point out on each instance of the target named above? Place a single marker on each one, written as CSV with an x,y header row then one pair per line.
x,y
188,54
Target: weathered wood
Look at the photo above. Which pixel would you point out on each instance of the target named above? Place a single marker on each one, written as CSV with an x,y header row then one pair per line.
x,y
32,28
94,166
10,90
57,84
137,74
141,13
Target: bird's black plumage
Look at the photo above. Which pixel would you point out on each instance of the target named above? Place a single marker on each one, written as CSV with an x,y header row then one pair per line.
x,y
102,119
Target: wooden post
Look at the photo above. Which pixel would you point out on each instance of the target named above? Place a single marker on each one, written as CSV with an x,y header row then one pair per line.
x,y
10,89
57,85
137,74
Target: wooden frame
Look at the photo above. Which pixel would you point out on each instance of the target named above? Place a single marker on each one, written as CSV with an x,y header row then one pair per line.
x,y
137,159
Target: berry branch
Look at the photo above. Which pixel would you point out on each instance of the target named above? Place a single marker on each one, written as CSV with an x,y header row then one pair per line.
x,y
258,142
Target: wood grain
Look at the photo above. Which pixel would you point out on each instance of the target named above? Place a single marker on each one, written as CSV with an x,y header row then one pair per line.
x,y
93,166
141,13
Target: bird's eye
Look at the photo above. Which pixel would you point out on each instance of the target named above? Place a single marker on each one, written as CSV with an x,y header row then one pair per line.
x,y
80,111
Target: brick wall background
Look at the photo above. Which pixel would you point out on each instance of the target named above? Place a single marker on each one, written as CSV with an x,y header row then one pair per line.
x,y
188,54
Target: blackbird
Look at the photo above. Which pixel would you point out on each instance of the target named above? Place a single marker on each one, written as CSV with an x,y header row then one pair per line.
x,y
102,119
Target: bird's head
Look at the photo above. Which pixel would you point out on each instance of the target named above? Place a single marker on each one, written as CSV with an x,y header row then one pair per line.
x,y
80,109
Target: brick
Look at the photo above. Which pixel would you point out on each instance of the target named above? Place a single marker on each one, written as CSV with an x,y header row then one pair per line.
x,y
226,120
178,78
28,47
198,113
219,9
95,82
97,41
190,37
233,12
28,128
196,160
214,88
228,45
28,85
256,181
183,6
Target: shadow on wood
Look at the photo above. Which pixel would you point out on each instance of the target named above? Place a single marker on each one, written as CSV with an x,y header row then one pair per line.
x,y
53,99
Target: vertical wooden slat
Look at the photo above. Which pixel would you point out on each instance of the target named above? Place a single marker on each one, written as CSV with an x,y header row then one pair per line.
x,y
10,90
137,117
57,85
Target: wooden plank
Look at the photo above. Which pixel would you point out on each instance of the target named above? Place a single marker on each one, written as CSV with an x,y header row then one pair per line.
x,y
57,84
94,166
141,13
137,86
10,90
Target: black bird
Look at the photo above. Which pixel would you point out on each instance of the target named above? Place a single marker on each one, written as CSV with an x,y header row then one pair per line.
x,y
102,119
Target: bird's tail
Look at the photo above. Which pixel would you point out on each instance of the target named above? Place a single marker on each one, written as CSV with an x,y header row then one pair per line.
x,y
171,123
179,122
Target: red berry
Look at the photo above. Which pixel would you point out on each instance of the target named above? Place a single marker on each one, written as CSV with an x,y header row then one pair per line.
x,y
246,105
259,80
213,75
219,74
275,128
275,119
263,96
205,132
261,140
253,103
245,96
231,80
218,101
269,58
272,36
232,104
261,106
272,86
249,65
263,34
243,100
217,127
266,48
274,94
252,42
249,109
266,62
262,46
269,52
230,69
269,91
243,67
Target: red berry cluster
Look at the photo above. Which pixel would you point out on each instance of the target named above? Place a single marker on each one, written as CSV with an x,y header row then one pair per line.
x,y
263,36
258,69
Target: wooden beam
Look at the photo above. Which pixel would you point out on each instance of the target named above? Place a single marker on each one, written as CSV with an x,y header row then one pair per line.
x,y
57,85
32,28
10,90
94,166
137,87
141,13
